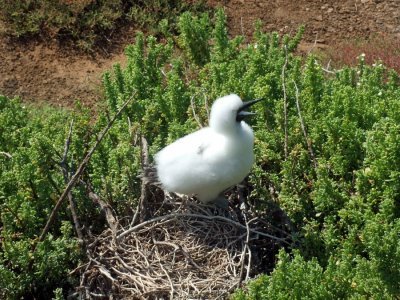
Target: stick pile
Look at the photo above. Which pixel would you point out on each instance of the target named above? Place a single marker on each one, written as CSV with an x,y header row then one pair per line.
x,y
186,250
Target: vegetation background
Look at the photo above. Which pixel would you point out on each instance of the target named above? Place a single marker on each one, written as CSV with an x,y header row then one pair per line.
x,y
327,148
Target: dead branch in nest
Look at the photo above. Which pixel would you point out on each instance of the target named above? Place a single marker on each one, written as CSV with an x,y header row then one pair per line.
x,y
200,216
186,250
106,208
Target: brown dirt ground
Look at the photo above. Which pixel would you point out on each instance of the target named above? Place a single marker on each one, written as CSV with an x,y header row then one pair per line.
x,y
49,73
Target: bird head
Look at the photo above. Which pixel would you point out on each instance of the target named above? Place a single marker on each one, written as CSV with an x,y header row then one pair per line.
x,y
228,112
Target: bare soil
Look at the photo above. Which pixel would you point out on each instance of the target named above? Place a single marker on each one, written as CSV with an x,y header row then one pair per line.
x,y
46,72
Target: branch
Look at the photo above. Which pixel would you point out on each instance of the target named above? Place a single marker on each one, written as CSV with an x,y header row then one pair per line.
x,y
75,217
285,116
111,220
328,71
303,128
78,172
246,248
196,117
65,171
189,215
144,194
206,107
313,46
63,162
8,155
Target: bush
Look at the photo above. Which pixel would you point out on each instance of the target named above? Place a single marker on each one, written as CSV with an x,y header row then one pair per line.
x,y
161,16
379,48
89,23
29,184
346,209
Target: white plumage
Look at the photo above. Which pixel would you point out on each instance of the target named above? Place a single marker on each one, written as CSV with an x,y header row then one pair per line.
x,y
212,159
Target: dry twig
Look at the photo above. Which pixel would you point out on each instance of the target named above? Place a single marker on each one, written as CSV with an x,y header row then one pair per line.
x,y
285,105
206,107
8,155
141,210
78,173
66,175
106,208
196,117
303,128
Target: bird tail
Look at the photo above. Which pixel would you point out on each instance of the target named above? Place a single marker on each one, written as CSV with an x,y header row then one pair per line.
x,y
149,175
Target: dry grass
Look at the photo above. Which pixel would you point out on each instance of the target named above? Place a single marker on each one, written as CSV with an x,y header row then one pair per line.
x,y
381,47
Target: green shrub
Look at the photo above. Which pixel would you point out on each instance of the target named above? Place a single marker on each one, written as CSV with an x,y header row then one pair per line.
x,y
29,184
346,209
82,20
161,16
89,23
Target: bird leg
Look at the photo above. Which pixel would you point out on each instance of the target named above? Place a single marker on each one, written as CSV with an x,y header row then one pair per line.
x,y
221,202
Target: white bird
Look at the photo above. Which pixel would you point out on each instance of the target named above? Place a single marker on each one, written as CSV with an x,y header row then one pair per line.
x,y
207,162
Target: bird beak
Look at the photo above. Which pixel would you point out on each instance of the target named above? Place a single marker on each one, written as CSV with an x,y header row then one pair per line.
x,y
242,114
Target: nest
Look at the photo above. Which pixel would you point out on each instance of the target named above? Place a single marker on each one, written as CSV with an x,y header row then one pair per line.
x,y
185,250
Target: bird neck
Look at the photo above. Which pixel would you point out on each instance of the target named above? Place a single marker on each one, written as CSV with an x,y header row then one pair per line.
x,y
234,130
226,128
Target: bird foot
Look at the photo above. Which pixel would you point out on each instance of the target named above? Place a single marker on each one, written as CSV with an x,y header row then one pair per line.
x,y
221,202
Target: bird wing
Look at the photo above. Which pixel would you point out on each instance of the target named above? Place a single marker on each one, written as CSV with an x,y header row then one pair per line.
x,y
187,164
